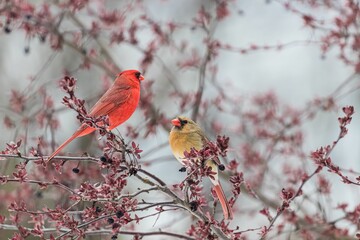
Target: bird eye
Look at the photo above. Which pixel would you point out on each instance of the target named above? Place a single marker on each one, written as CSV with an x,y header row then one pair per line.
x,y
184,122
137,75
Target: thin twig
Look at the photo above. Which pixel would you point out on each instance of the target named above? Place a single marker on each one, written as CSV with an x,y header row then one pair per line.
x,y
67,158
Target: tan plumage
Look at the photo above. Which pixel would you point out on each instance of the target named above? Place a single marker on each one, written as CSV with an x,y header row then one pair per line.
x,y
186,134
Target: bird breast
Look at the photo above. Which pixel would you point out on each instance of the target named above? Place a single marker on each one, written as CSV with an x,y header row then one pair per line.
x,y
181,142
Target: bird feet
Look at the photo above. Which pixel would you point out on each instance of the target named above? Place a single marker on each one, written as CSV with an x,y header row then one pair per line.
x,y
221,167
193,205
183,169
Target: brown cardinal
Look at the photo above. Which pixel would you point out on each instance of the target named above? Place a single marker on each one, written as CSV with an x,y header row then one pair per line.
x,y
186,134
118,103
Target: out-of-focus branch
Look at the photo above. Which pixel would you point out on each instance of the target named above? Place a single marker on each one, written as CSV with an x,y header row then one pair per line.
x,y
202,71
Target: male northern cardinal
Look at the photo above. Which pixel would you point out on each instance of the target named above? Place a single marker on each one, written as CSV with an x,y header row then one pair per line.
x,y
186,134
118,103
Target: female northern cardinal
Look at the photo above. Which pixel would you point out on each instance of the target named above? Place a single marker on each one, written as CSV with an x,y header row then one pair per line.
x,y
118,103
186,134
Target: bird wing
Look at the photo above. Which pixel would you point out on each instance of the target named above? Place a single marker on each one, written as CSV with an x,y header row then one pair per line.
x,y
116,96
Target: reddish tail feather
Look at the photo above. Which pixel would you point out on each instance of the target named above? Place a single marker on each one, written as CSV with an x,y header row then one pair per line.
x,y
228,214
82,131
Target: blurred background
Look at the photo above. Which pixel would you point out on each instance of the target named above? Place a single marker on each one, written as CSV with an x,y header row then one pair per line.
x,y
266,47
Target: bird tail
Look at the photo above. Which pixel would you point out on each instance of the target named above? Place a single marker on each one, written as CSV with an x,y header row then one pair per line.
x,y
228,214
82,131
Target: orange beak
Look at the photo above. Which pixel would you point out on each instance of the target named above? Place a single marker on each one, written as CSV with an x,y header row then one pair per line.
x,y
176,122
141,77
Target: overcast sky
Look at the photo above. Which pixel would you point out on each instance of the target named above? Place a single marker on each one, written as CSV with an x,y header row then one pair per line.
x,y
297,73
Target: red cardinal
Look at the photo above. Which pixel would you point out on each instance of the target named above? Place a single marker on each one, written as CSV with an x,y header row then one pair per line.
x,y
186,134
118,103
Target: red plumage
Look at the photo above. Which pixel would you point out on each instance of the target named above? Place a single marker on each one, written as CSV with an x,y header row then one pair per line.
x,y
118,103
